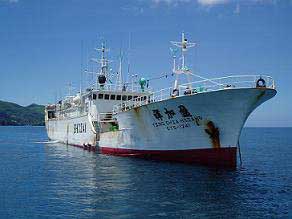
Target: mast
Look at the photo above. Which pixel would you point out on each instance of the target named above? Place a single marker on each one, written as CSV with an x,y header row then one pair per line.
x,y
103,61
119,80
184,45
81,70
104,73
69,89
129,56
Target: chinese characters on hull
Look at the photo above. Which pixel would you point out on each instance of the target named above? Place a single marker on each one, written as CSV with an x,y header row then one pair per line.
x,y
167,118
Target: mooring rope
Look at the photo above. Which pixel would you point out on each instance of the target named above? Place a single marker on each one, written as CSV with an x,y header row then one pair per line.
x,y
239,152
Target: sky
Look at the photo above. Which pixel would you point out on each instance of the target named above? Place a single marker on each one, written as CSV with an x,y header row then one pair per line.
x,y
45,44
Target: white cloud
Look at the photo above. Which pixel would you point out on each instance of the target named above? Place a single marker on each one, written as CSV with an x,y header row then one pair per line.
x,y
209,3
200,2
9,1
133,9
212,2
237,9
171,2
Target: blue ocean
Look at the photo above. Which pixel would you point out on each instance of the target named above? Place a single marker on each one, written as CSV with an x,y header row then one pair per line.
x,y
39,180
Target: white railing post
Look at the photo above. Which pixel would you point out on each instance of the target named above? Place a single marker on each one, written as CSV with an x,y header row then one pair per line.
x,y
255,81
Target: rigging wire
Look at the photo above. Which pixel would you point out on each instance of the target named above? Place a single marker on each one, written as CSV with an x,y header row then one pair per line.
x,y
154,78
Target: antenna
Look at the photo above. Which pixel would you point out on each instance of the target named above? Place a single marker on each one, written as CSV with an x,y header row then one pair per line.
x,y
173,53
119,80
103,61
56,97
129,54
69,88
81,70
89,68
134,78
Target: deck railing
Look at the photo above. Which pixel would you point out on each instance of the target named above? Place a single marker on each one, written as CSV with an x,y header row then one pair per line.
x,y
115,87
202,86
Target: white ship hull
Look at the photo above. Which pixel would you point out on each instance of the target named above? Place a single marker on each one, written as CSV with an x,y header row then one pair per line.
x,y
76,131
194,122
202,128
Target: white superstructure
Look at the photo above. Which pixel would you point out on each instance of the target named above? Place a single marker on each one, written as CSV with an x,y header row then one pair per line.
x,y
193,122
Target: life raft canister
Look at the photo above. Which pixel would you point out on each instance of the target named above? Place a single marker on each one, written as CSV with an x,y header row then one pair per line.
x,y
261,83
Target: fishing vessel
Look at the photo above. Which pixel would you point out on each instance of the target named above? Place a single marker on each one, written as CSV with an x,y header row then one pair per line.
x,y
195,121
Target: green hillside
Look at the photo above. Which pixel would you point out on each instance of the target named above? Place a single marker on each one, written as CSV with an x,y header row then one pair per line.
x,y
13,114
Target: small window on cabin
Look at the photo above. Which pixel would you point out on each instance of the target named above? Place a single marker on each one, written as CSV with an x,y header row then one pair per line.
x,y
124,97
144,98
94,96
100,96
51,115
106,96
113,97
129,97
119,97
135,97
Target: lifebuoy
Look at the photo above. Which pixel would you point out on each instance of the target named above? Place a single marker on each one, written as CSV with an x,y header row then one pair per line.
x,y
175,93
261,83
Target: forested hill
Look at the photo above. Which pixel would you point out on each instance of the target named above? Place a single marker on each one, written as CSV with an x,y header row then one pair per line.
x,y
14,114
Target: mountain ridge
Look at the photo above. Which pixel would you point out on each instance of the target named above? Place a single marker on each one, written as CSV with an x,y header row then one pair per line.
x,y
17,115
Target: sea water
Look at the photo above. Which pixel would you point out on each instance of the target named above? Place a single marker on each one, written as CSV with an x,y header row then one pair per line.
x,y
40,180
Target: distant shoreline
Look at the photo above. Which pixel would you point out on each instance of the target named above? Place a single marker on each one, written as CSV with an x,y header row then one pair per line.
x,y
12,114
22,125
44,126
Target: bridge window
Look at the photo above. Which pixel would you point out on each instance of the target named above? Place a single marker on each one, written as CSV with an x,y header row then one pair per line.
x,y
129,97
100,96
119,97
113,97
94,96
51,115
135,97
124,97
106,96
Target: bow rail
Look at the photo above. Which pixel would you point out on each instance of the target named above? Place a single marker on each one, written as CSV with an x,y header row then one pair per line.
x,y
196,87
